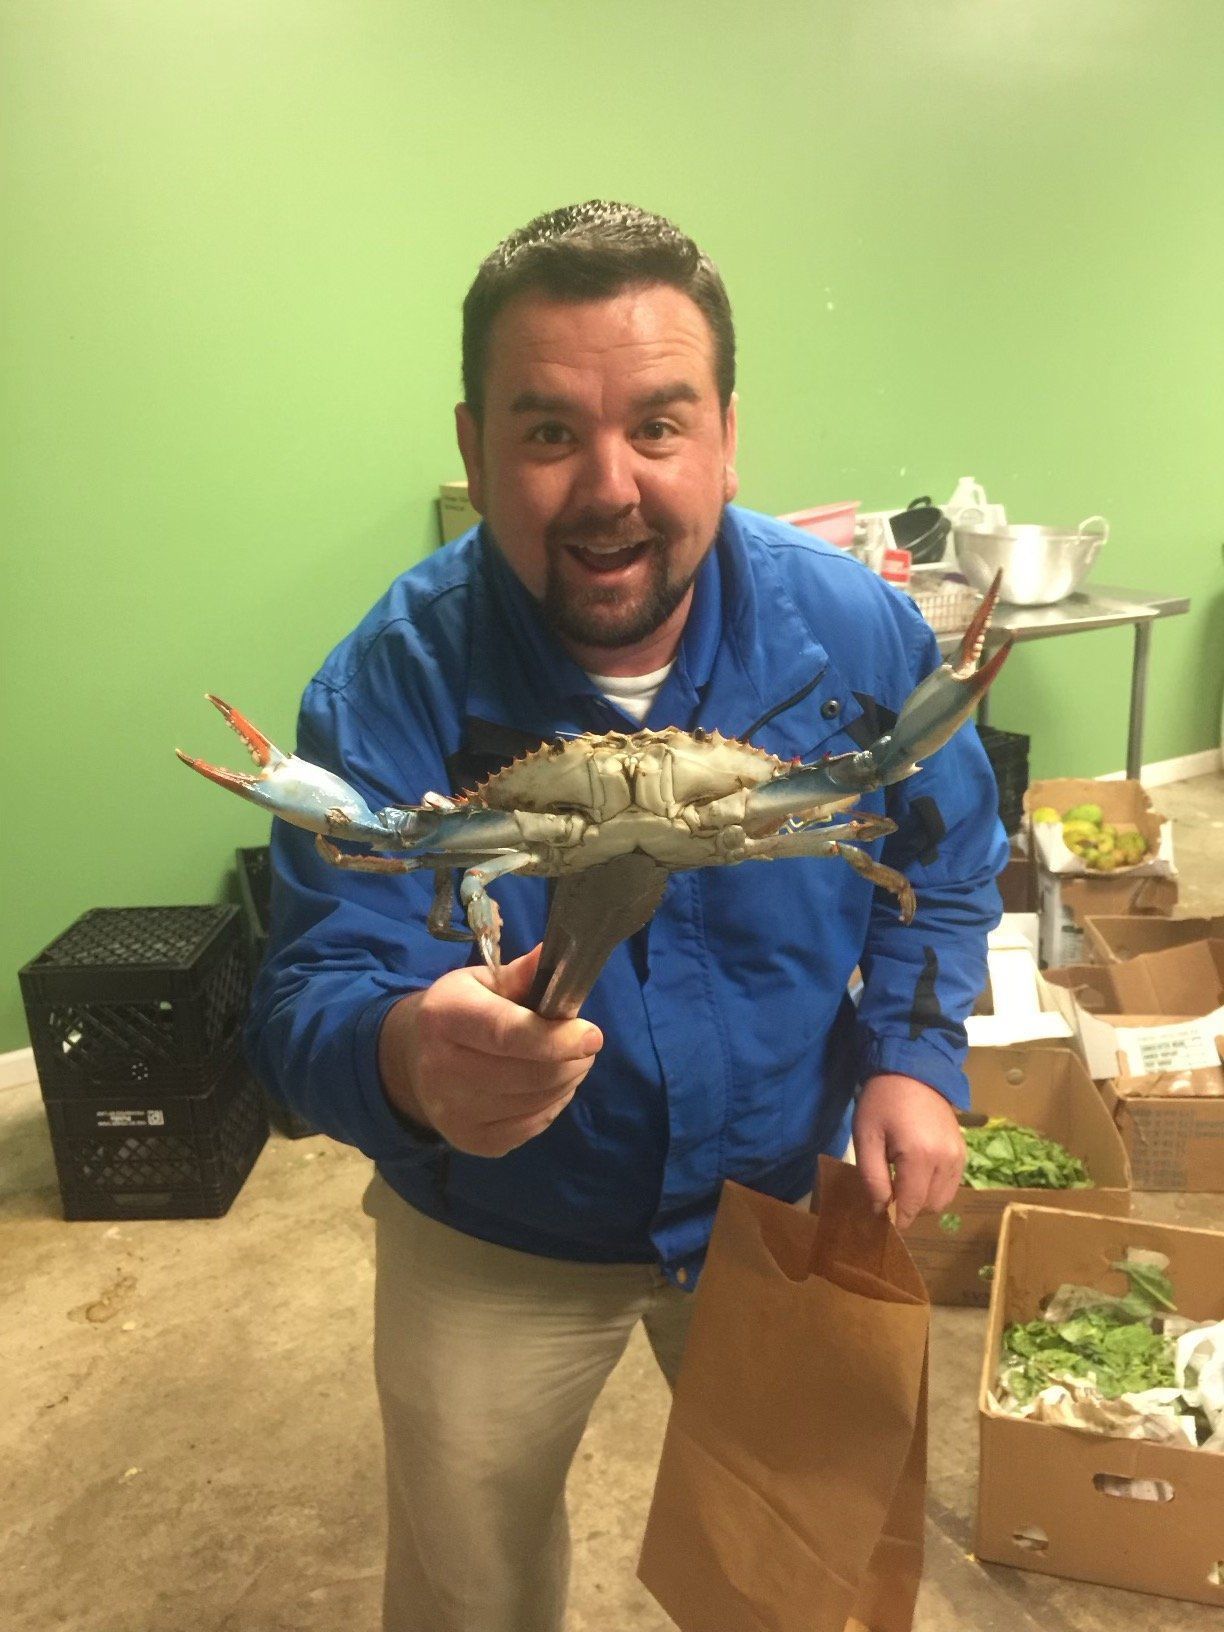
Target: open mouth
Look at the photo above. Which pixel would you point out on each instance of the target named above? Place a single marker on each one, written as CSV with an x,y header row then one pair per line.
x,y
599,558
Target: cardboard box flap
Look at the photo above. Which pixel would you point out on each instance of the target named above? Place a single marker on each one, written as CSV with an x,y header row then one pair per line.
x,y
1113,936
1182,980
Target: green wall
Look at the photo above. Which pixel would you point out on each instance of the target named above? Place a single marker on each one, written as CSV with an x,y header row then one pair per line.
x,y
960,236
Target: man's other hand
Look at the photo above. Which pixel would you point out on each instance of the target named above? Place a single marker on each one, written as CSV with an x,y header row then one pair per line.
x,y
475,1066
903,1124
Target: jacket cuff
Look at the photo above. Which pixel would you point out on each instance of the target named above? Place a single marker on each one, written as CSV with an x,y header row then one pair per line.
x,y
878,1055
393,1134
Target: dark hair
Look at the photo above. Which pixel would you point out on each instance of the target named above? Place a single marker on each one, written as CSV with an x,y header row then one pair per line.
x,y
592,251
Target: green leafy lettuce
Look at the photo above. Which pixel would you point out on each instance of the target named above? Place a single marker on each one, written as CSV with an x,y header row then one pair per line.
x,y
1004,1154
1112,1343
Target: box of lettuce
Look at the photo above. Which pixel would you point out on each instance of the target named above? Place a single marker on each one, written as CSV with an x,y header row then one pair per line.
x,y
1048,1091
1071,1502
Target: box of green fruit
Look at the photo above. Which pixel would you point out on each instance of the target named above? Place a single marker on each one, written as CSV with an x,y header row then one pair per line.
x,y
1087,827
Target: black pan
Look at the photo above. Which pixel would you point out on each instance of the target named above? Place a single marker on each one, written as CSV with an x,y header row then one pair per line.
x,y
922,529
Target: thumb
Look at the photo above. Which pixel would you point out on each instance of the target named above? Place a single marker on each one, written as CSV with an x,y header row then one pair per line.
x,y
871,1159
513,980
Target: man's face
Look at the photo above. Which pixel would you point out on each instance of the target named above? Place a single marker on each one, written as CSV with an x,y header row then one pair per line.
x,y
603,463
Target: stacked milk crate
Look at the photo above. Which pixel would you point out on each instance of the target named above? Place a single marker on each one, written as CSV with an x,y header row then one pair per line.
x,y
135,1018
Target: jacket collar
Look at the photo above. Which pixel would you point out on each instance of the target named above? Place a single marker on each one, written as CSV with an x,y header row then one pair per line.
x,y
745,650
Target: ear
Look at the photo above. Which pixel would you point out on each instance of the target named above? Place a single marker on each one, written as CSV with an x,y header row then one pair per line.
x,y
468,433
730,446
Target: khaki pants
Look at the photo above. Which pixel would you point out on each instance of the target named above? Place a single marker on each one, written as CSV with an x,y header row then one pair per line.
x,y
488,1363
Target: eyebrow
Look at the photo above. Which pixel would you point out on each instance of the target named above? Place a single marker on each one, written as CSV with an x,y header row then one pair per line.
x,y
536,402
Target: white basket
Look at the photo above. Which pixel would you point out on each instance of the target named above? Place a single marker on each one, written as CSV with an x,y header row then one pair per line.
x,y
947,604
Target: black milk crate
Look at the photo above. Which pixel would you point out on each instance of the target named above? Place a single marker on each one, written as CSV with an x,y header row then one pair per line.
x,y
149,1156
255,887
254,871
1008,753
147,998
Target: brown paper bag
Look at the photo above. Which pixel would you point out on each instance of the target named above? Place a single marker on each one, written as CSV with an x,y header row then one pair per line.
x,y
790,1491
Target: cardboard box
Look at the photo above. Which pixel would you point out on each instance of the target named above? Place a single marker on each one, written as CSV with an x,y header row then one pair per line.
x,y
1113,939
455,513
1069,892
1043,1088
1124,803
1040,1502
1150,1030
1066,904
1018,883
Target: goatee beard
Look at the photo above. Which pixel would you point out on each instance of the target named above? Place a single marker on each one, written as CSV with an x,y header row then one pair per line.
x,y
592,620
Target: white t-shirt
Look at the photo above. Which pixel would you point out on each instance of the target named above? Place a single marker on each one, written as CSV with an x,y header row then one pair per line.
x,y
632,692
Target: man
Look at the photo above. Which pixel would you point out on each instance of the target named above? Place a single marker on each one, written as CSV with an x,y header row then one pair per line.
x,y
543,1185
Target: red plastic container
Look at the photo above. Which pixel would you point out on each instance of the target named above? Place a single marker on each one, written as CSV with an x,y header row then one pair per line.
x,y
832,522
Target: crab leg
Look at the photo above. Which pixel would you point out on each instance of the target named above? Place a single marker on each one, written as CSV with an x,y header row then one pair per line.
x,y
887,878
482,913
830,842
481,909
819,840
934,711
439,921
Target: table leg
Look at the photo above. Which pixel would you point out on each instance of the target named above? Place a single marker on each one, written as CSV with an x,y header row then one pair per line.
x,y
1139,667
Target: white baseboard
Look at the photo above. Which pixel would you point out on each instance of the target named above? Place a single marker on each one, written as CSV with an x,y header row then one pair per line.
x,y
1180,769
17,1069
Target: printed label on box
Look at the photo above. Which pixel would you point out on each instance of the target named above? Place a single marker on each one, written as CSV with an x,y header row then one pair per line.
x,y
1188,1046
130,1119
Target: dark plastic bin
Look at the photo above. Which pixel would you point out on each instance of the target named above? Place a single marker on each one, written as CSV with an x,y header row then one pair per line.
x,y
180,1157
254,869
255,887
1008,753
137,997
135,1018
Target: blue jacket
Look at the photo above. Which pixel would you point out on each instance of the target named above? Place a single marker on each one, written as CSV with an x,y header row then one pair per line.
x,y
731,1047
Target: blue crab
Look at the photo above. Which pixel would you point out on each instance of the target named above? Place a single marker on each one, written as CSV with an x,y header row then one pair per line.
x,y
612,816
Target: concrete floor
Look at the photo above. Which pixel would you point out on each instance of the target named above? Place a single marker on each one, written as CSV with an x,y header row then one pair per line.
x,y
192,1445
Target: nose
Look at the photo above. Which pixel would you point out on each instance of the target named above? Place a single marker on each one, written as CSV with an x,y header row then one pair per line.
x,y
606,481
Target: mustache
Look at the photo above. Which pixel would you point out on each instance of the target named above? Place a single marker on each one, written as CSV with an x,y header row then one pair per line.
x,y
602,530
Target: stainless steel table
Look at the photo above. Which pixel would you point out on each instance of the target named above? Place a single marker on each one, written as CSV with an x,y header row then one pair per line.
x,y
1098,607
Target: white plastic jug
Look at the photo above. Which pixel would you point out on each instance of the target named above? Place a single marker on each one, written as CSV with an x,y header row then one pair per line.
x,y
968,492
969,505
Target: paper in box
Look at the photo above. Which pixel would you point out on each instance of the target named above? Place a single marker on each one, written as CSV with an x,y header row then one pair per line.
x,y
1150,1031
1046,1089
1017,1005
1113,939
1044,1491
1069,891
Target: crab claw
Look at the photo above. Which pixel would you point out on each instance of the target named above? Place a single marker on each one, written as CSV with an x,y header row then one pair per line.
x,y
291,788
941,704
933,712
